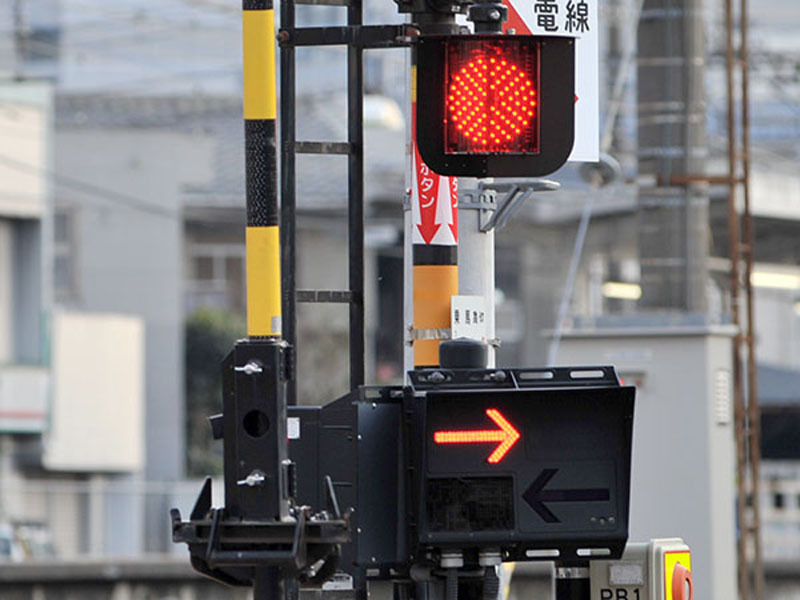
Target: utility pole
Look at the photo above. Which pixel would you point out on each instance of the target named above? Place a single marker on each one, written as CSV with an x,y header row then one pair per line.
x,y
434,221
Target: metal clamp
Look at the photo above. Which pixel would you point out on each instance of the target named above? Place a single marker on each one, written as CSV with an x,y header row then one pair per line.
x,y
486,199
572,573
428,334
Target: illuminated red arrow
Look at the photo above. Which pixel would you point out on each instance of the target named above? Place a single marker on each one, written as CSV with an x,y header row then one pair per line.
x,y
507,435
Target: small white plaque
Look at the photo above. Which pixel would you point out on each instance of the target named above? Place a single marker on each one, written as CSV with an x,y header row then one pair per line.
x,y
293,428
468,317
626,573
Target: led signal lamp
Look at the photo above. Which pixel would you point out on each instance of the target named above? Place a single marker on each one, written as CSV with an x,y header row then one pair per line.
x,y
506,434
491,99
495,105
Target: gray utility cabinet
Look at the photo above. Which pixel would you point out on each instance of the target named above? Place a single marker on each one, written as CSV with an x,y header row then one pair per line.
x,y
683,481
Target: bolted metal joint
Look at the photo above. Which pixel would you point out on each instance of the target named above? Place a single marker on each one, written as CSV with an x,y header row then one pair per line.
x,y
488,17
452,559
255,478
490,557
251,368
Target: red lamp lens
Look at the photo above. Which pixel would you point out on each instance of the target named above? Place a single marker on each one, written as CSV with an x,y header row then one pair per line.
x,y
491,101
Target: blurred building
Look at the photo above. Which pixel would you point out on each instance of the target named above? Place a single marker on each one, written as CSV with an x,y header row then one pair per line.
x,y
25,119
144,217
779,395
136,194
71,383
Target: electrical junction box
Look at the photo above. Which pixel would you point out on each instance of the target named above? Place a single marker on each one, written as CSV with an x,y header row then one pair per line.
x,y
658,570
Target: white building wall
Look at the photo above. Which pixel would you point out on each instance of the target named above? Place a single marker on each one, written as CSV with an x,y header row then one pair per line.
x,y
777,314
24,141
97,421
6,297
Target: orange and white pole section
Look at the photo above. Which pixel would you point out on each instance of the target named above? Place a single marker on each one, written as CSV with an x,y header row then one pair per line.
x,y
434,224
260,111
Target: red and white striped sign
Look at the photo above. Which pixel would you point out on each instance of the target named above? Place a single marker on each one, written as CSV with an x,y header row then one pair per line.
x,y
434,200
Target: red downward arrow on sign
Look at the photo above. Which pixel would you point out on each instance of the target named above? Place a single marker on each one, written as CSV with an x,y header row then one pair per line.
x,y
507,435
427,187
428,192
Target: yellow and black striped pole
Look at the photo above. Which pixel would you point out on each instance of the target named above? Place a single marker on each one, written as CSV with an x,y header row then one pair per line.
x,y
260,109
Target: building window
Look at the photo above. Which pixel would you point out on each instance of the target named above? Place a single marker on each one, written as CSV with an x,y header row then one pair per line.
x,y
65,276
216,277
778,500
38,44
203,268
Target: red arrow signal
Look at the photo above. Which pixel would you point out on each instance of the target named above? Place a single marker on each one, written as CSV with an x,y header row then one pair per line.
x,y
507,435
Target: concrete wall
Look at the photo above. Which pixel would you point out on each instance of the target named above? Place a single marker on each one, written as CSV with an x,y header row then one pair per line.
x,y
130,256
129,227
161,577
6,296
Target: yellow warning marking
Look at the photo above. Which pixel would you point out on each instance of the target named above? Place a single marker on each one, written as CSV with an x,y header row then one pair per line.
x,y
413,83
670,560
434,285
258,36
263,281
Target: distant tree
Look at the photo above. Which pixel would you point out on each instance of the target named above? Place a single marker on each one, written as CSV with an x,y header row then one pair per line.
x,y
210,336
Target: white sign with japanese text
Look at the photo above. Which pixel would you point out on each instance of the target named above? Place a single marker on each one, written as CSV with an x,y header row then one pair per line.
x,y
578,19
468,317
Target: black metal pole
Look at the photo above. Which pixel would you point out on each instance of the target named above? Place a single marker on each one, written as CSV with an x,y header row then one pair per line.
x,y
288,203
355,136
268,584
572,582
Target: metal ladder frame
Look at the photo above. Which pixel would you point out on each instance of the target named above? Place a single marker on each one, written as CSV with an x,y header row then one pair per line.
x,y
354,149
357,37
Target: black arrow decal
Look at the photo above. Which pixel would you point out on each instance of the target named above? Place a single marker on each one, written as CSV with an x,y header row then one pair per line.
x,y
536,495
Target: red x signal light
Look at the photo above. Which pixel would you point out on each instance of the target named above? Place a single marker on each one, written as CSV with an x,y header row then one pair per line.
x,y
495,105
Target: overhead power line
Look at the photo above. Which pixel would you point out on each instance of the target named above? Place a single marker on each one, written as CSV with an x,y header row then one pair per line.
x,y
91,189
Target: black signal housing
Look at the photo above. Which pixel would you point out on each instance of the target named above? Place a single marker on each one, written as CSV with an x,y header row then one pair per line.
x,y
495,105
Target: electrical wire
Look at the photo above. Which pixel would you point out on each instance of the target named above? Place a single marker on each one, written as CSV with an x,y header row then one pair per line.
x,y
54,49
113,32
115,35
91,189
138,17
